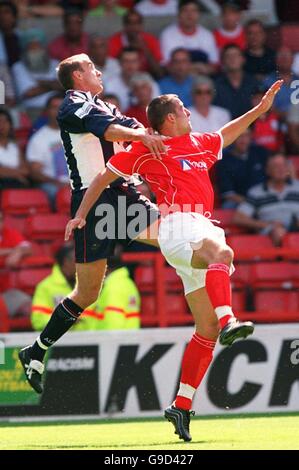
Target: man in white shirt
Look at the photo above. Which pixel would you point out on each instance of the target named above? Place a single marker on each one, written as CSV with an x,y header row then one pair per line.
x,y
206,117
189,34
35,74
120,85
45,153
98,52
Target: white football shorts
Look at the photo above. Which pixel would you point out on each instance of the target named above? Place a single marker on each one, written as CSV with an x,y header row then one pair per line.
x,y
179,234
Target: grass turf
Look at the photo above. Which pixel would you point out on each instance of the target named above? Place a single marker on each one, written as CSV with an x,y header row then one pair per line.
x,y
234,432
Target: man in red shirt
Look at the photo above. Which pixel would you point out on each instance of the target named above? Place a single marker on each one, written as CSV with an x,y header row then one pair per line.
x,y
73,41
134,36
188,239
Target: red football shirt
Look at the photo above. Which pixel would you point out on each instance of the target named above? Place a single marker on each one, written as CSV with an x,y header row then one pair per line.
x,y
181,179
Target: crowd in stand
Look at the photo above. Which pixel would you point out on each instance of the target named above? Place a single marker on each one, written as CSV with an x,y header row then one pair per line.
x,y
218,74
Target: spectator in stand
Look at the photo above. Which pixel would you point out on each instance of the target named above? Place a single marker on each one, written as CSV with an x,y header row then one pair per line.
x,y
284,62
35,74
108,9
51,290
133,36
231,31
10,42
9,94
73,41
142,92
267,129
188,34
242,166
260,60
272,208
13,246
45,153
98,52
206,117
157,7
180,80
234,87
120,85
13,170
293,129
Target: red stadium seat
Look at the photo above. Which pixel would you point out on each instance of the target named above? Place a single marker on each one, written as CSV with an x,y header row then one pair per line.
x,y
241,277
252,247
225,217
63,201
145,279
40,261
24,201
290,36
27,279
17,223
279,275
239,301
276,301
176,310
46,227
291,245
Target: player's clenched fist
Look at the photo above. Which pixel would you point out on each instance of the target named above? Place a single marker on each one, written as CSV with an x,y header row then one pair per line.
x,y
77,222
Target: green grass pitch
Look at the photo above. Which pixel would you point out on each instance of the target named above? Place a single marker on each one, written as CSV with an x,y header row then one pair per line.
x,y
234,432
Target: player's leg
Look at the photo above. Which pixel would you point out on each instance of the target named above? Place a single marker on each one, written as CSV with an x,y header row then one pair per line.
x,y
89,281
217,258
196,360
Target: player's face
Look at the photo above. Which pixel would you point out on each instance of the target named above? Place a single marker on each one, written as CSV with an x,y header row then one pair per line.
x,y
91,77
182,118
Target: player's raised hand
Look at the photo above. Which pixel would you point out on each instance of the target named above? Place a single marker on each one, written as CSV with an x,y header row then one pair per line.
x,y
268,98
154,142
77,222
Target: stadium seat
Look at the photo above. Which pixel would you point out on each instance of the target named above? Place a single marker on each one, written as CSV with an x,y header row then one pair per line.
x,y
290,36
27,279
46,227
145,279
241,277
291,246
225,217
16,223
252,247
239,301
38,261
24,201
276,301
280,275
63,201
176,310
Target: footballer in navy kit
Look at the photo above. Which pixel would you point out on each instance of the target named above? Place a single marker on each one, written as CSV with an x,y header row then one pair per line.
x,y
91,132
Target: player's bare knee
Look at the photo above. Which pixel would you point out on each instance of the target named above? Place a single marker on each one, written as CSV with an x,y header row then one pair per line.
x,y
209,330
224,256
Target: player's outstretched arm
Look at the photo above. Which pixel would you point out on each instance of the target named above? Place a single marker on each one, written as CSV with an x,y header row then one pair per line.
x,y
98,184
154,142
231,131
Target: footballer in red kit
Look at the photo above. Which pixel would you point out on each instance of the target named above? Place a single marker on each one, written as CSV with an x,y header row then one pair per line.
x,y
188,238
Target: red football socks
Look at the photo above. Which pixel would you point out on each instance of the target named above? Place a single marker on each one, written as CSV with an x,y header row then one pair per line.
x,y
196,360
219,291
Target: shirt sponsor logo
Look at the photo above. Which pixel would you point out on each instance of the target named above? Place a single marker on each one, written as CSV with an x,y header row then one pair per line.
x,y
186,165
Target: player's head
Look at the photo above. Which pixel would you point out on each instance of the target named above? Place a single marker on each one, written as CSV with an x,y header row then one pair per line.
x,y
167,115
78,72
